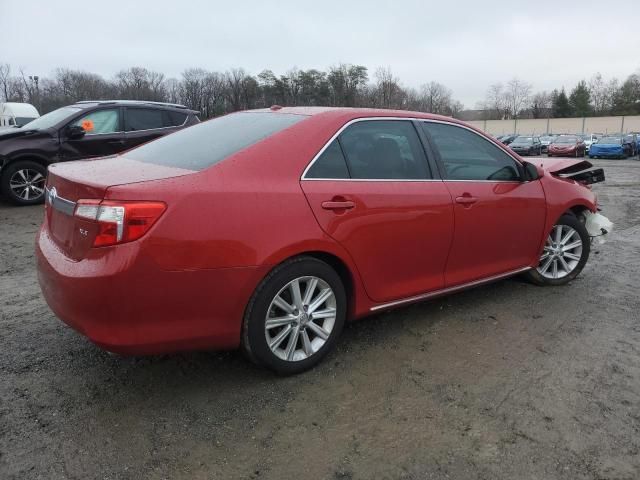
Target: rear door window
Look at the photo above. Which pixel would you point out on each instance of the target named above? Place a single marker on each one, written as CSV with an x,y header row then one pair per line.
x,y
143,119
205,144
384,150
331,164
174,119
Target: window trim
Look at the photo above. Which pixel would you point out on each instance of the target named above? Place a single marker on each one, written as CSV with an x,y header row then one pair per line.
x,y
426,145
428,166
161,110
438,158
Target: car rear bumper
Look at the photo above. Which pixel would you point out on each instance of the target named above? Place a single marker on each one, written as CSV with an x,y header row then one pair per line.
x,y
125,304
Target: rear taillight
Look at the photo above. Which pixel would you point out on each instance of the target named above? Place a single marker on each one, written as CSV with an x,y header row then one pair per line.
x,y
119,222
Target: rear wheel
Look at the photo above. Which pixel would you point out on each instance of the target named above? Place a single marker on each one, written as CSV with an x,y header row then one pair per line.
x,y
565,253
22,182
295,316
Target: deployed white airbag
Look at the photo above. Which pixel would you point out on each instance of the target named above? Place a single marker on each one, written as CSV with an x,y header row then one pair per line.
x,y
597,226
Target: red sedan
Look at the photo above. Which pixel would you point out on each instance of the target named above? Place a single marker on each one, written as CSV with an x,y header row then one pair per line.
x,y
567,146
268,229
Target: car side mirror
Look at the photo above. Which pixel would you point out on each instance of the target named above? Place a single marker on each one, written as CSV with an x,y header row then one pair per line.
x,y
532,172
75,132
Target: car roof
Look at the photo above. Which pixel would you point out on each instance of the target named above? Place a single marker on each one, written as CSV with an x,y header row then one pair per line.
x,y
352,113
92,103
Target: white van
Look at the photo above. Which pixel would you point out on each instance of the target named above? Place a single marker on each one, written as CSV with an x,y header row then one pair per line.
x,y
16,114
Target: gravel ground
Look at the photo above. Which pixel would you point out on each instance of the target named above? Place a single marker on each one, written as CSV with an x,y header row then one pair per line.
x,y
501,382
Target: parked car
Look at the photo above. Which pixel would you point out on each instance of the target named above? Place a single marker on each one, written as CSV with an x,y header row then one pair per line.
x,y
588,139
80,131
545,141
567,146
637,134
16,114
268,229
631,139
527,145
507,139
609,147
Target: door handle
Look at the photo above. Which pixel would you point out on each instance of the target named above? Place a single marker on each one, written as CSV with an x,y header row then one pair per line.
x,y
338,205
466,200
116,142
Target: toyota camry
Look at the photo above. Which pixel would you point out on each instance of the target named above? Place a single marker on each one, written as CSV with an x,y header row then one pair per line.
x,y
266,230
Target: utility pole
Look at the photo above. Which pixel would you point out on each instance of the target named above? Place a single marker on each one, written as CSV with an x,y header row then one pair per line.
x,y
34,81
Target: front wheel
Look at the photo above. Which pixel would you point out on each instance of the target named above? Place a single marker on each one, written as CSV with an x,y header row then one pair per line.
x,y
295,316
22,182
565,253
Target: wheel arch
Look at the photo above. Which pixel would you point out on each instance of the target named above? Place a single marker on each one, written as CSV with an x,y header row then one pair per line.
x,y
26,157
338,259
577,210
343,272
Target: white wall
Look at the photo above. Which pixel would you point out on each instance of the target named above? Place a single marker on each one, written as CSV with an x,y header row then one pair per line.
x,y
560,125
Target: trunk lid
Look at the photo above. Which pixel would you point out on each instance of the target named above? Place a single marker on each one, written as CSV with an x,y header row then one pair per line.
x,y
89,179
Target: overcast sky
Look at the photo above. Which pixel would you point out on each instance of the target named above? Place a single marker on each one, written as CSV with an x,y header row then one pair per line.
x,y
466,45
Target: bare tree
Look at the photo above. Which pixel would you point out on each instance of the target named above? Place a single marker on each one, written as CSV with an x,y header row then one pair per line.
x,y
192,90
495,101
172,90
389,92
541,104
437,98
213,93
5,78
598,91
517,95
611,90
138,83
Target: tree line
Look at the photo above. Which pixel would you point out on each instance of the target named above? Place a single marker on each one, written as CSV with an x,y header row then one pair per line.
x,y
214,93
595,97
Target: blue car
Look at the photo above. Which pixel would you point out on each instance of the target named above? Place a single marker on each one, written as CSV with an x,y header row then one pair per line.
x,y
608,147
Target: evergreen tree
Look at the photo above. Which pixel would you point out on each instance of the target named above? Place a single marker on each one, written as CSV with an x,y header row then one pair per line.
x,y
626,100
580,100
561,106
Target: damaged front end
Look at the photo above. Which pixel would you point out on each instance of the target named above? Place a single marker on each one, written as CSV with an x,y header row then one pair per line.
x,y
582,171
576,169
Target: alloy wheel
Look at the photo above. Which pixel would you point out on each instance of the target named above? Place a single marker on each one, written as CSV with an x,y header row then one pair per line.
x,y
27,184
300,318
562,252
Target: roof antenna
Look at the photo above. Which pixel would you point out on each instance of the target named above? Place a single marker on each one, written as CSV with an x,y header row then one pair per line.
x,y
275,107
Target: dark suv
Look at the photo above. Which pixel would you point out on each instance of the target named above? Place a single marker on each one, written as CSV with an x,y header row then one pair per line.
x,y
82,130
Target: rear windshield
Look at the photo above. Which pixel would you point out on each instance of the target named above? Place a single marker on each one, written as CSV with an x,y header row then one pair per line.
x,y
566,140
203,145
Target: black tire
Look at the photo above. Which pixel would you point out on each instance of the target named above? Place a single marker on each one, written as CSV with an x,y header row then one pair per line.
x,y
10,173
254,341
572,221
